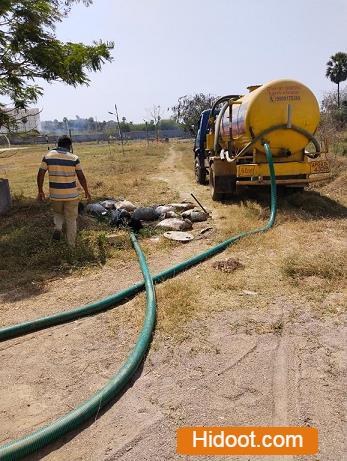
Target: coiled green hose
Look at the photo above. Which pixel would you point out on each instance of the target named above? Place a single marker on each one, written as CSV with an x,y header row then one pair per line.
x,y
123,295
22,447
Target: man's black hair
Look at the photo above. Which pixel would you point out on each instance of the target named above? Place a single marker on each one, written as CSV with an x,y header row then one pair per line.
x,y
65,142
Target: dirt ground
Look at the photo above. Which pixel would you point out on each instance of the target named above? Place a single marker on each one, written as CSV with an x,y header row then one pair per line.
x,y
257,349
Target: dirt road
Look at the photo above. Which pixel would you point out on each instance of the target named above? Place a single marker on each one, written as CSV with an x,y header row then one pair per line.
x,y
255,353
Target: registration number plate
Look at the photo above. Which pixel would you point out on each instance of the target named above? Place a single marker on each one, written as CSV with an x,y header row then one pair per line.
x,y
321,166
246,170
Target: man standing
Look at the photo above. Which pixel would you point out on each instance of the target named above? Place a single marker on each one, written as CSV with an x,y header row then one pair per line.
x,y
63,169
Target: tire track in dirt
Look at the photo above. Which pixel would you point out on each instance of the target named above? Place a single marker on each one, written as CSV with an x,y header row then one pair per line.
x,y
184,183
168,167
279,383
280,388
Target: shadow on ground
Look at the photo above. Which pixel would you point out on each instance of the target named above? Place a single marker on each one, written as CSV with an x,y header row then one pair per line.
x,y
308,204
29,256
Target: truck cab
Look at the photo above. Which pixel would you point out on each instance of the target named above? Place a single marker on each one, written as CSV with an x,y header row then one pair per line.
x,y
201,162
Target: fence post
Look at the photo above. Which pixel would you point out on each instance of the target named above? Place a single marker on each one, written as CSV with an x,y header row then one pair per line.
x,y
5,196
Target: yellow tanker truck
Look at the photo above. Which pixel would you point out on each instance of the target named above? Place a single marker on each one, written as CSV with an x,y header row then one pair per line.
x,y
229,143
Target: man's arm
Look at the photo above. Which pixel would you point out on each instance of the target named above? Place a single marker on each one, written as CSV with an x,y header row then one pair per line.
x,y
40,179
83,182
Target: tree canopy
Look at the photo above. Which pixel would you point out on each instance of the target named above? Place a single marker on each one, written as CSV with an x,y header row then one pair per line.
x,y
80,125
30,50
188,109
337,71
337,116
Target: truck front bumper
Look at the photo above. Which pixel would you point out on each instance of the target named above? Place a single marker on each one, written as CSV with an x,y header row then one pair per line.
x,y
287,173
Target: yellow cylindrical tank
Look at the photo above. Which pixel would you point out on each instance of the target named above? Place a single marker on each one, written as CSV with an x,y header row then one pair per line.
x,y
278,102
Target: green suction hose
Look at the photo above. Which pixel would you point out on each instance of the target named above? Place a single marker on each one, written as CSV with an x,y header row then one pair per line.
x,y
17,449
123,295
22,447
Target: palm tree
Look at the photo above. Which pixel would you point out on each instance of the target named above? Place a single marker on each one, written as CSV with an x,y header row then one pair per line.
x,y
337,71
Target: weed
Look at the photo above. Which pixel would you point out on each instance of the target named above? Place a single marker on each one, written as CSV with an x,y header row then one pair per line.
x,y
277,327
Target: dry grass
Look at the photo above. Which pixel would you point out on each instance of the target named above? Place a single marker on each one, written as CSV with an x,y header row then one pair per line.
x,y
304,222
221,282
300,259
330,266
234,216
109,172
178,301
29,256
28,253
251,327
307,242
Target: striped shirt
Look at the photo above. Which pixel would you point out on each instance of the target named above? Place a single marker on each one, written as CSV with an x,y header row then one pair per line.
x,y
61,166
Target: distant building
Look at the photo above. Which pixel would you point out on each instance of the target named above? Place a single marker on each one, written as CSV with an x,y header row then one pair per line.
x,y
26,119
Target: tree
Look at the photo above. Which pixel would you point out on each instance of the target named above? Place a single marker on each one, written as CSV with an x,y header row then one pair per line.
x,y
29,50
125,125
329,104
168,124
66,122
188,109
156,117
337,71
333,120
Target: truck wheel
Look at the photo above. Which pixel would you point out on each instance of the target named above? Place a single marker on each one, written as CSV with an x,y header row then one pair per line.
x,y
216,196
200,172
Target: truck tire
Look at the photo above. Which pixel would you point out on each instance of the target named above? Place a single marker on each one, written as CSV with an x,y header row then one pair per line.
x,y
216,196
200,172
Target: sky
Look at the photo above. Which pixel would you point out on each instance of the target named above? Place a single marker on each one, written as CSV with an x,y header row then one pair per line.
x,y
166,49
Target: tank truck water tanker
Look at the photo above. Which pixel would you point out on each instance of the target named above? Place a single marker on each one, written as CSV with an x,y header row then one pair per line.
x,y
229,144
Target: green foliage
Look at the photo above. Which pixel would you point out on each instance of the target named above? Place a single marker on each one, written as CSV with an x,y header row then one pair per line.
x,y
330,106
89,125
28,134
337,71
29,50
337,67
333,121
188,110
168,124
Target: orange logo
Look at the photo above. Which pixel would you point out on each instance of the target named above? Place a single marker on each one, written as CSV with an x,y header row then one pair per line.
x,y
247,440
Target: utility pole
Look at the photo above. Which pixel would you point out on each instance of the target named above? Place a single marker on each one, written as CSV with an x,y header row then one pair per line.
x,y
119,127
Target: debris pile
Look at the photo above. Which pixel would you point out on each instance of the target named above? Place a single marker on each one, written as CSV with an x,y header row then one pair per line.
x,y
228,265
167,217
